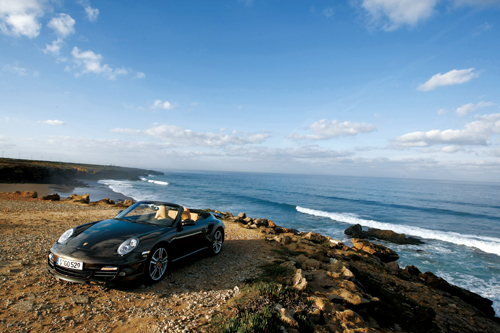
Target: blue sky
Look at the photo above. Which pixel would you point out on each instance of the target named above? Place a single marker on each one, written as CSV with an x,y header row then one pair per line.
x,y
389,88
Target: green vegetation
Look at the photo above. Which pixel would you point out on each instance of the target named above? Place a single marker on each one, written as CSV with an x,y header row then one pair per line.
x,y
254,310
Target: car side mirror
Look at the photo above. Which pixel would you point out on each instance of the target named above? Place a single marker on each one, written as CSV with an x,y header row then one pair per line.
x,y
188,222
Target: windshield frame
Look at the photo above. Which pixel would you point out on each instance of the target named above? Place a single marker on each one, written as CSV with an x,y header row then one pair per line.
x,y
149,218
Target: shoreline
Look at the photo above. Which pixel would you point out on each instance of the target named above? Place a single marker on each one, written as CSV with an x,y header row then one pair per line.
x,y
96,191
348,287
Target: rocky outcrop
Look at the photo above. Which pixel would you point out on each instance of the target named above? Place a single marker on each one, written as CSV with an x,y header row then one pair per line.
x,y
84,198
363,289
356,231
383,253
19,195
52,197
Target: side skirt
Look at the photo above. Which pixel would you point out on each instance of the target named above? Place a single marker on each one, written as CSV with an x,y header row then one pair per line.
x,y
187,255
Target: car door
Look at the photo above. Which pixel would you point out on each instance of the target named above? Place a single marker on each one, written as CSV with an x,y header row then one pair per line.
x,y
190,238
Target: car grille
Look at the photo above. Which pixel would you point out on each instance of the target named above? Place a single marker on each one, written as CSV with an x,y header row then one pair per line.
x,y
83,274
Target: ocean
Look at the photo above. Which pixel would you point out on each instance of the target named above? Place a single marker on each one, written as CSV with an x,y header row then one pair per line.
x,y
458,221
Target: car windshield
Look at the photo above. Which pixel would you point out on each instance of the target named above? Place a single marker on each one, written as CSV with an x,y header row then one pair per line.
x,y
152,213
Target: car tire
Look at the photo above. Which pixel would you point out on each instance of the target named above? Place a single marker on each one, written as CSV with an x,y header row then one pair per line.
x,y
157,264
217,241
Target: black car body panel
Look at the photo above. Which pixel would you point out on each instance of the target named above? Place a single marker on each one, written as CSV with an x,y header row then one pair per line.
x,y
93,247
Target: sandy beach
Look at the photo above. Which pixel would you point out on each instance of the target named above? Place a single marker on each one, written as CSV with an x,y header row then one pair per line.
x,y
96,190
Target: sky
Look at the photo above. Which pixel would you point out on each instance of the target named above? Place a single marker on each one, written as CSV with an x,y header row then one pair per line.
x,y
375,88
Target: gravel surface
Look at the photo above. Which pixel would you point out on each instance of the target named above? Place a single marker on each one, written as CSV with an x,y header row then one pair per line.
x,y
31,300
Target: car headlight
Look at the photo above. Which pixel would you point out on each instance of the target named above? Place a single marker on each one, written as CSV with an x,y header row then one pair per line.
x,y
128,246
64,237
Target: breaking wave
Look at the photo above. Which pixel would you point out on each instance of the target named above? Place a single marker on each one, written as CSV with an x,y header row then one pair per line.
x,y
486,244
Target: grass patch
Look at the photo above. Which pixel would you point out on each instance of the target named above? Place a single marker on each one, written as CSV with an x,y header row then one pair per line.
x,y
254,310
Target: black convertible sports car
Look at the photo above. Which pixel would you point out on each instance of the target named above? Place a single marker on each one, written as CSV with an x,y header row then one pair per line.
x,y
139,242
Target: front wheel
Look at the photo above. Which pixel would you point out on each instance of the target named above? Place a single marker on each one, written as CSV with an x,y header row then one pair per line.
x,y
217,242
157,264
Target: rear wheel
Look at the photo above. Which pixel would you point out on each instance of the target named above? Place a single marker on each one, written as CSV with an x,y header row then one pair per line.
x,y
157,264
217,242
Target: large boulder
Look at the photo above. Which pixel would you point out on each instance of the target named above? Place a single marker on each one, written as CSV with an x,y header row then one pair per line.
x,y
52,197
356,231
84,198
383,253
393,237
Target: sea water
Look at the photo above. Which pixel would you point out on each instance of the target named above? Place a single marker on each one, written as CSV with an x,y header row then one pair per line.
x,y
458,221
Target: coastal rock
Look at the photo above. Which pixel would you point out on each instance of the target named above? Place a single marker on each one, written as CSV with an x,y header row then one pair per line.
x,y
242,215
84,198
299,280
317,238
393,237
19,195
481,303
393,266
287,318
383,253
356,231
52,197
105,202
261,222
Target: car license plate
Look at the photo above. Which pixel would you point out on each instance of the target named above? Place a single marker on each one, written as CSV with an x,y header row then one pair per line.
x,y
73,264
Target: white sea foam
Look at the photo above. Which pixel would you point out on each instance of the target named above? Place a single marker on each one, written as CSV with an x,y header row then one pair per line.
x,y
489,289
486,244
125,187
159,182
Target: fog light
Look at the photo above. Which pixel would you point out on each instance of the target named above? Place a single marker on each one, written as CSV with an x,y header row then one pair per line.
x,y
122,274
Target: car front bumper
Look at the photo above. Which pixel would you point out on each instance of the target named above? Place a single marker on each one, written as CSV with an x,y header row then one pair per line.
x,y
108,274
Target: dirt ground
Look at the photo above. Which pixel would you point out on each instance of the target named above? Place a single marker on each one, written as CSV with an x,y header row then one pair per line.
x,y
31,300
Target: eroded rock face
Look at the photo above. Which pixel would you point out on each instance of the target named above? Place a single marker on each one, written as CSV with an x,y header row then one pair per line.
x,y
356,231
52,197
391,236
84,198
383,253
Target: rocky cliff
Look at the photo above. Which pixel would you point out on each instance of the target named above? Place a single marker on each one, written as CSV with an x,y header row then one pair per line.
x,y
43,172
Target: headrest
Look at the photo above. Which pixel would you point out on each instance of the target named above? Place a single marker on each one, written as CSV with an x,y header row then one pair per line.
x,y
161,213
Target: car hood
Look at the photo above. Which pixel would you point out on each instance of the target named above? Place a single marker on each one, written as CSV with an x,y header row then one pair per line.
x,y
104,237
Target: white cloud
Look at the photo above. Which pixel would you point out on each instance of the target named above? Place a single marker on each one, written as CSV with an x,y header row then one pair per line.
x,y
392,14
308,153
158,104
468,108
451,149
326,130
185,137
54,48
15,70
92,13
53,122
476,133
140,75
442,112
477,3
63,25
328,12
91,63
450,78
20,17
